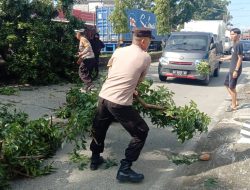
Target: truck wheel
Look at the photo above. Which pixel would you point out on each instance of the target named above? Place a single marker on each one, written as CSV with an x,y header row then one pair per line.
x,y
206,80
162,78
217,71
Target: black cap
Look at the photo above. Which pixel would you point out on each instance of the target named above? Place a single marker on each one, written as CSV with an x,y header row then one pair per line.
x,y
143,32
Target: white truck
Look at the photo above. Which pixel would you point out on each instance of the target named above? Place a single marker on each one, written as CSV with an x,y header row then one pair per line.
x,y
217,27
228,43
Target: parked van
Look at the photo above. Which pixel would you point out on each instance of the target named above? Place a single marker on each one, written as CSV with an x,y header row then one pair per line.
x,y
184,50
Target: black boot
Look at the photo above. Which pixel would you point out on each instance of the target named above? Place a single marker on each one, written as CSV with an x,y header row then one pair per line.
x,y
96,161
126,174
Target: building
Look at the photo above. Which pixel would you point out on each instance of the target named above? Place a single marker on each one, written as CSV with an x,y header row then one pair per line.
x,y
90,5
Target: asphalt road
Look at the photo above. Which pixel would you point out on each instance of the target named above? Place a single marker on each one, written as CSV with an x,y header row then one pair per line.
x,y
153,162
208,98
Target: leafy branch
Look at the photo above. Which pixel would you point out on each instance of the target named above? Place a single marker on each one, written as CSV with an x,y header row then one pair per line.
x,y
25,144
203,68
157,104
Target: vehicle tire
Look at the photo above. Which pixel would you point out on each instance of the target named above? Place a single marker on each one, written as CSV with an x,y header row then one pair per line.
x,y
206,80
162,78
217,71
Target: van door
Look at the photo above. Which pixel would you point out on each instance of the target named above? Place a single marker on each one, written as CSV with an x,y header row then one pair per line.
x,y
214,56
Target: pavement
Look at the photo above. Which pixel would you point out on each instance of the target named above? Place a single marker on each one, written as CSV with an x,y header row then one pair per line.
x,y
227,142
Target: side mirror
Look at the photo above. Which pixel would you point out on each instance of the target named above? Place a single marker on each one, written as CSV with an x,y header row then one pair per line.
x,y
212,46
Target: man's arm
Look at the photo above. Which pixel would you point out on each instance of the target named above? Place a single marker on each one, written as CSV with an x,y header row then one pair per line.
x,y
226,58
238,64
145,71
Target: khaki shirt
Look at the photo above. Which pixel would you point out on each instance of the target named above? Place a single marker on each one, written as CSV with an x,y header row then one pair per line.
x,y
85,48
128,66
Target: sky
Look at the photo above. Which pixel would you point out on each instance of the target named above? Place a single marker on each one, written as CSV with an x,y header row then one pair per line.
x,y
240,10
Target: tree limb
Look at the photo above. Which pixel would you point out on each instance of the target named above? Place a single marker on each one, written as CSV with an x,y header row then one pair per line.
x,y
148,106
22,174
28,157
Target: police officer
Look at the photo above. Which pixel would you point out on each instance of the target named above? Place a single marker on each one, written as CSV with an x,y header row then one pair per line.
x,y
127,68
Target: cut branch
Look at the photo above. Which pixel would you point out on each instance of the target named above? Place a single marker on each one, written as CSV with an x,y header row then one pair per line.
x,y
26,157
31,157
22,174
148,106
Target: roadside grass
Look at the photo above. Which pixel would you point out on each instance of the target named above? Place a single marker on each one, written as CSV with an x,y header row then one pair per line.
x,y
211,183
183,159
8,91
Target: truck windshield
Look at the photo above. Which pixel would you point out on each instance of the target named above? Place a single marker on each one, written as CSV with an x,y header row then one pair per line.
x,y
187,42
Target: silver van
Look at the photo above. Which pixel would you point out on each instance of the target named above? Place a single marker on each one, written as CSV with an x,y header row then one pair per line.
x,y
184,50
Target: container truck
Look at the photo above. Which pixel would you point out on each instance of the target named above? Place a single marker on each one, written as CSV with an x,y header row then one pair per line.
x,y
228,43
136,18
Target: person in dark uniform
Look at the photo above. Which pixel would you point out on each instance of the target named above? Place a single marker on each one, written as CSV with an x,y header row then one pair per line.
x,y
97,45
235,67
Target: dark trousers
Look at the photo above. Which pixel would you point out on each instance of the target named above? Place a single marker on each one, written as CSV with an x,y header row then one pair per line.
x,y
97,64
86,69
130,120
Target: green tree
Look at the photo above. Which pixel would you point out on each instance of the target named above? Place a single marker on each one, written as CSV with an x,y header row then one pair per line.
x,y
211,10
119,19
174,12
182,12
179,11
162,11
139,4
42,50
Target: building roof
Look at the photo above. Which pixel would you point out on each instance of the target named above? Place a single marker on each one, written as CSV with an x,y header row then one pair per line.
x,y
84,16
87,17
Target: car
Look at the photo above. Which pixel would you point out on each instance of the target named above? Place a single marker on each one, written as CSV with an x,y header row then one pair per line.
x,y
184,51
246,49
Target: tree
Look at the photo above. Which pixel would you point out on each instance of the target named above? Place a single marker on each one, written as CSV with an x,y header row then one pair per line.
x,y
179,11
42,50
119,19
174,12
162,11
211,10
183,12
139,4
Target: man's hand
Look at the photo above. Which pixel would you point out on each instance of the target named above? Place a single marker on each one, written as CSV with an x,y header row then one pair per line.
x,y
235,74
79,61
80,54
222,59
136,93
226,58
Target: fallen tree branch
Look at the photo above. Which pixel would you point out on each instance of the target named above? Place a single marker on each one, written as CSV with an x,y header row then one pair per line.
x,y
25,157
22,174
148,106
28,157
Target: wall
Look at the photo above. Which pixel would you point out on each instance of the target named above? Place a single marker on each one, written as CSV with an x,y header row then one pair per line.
x,y
155,56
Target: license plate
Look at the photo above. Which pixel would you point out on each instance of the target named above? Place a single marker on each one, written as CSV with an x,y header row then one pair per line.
x,y
179,72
